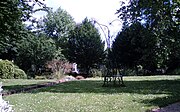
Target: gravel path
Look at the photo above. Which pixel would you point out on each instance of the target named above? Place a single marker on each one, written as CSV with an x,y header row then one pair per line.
x,y
170,108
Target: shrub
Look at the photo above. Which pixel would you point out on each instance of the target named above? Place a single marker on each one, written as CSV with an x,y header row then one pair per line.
x,y
57,75
96,73
129,72
19,74
176,71
8,70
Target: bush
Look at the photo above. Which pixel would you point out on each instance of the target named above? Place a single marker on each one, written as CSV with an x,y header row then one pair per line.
x,y
19,74
176,71
129,72
96,73
9,71
57,75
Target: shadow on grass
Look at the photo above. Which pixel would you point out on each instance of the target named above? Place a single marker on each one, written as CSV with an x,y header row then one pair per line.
x,y
139,87
171,88
15,87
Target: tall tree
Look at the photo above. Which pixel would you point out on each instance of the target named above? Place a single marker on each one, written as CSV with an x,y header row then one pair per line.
x,y
12,14
161,16
133,46
11,24
85,46
58,24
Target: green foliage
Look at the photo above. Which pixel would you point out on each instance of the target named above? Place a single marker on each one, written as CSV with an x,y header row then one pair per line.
x,y
133,46
10,22
12,14
35,51
58,75
16,43
129,72
19,74
58,25
162,19
96,73
85,46
8,70
162,13
175,71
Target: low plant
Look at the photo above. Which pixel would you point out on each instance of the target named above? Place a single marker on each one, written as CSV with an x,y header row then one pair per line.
x,y
176,71
8,70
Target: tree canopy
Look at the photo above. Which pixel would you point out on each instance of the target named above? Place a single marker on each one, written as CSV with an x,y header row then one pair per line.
x,y
58,24
85,46
19,44
135,46
161,17
35,50
12,15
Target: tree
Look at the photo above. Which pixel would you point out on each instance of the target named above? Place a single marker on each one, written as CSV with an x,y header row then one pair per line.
x,y
133,46
160,17
12,14
11,24
85,46
57,25
35,51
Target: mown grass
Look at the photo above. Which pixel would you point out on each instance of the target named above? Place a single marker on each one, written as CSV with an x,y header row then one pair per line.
x,y
139,95
15,84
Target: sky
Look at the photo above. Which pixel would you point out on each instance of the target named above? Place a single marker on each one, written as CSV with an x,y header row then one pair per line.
x,y
102,11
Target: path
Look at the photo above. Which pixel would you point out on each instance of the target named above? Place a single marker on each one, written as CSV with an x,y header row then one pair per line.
x,y
175,107
29,88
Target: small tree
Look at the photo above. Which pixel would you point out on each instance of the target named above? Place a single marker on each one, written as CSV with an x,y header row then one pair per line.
x,y
85,46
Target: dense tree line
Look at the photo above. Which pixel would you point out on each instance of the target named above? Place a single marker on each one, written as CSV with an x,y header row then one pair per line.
x,y
150,35
31,46
149,38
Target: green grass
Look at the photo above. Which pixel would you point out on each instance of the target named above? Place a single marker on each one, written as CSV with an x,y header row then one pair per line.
x,y
11,84
139,95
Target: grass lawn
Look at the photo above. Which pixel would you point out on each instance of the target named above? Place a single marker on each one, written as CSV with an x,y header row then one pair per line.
x,y
139,95
10,84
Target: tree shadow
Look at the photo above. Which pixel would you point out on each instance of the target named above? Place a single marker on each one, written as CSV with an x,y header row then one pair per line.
x,y
171,88
14,89
93,86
